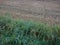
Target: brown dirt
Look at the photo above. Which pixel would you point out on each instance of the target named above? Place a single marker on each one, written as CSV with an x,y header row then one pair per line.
x,y
48,12
1,1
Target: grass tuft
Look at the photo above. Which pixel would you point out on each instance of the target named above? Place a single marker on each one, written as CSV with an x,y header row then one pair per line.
x,y
20,32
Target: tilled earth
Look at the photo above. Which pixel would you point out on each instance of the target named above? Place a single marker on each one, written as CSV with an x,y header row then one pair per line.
x,y
44,11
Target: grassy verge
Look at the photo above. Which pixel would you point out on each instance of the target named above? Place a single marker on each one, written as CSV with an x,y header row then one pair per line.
x,y
20,32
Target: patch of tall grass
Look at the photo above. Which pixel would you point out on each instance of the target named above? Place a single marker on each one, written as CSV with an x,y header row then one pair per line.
x,y
21,32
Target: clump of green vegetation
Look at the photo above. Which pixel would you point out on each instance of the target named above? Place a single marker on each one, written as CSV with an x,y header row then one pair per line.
x,y
20,32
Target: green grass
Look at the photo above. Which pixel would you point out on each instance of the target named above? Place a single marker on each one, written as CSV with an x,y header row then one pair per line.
x,y
20,32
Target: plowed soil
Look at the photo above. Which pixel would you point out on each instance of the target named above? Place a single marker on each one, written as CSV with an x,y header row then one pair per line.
x,y
36,10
